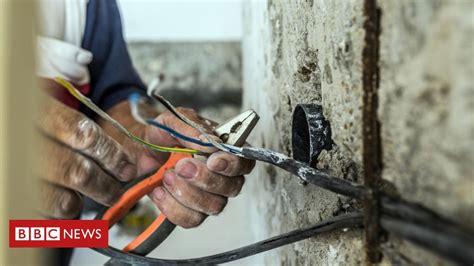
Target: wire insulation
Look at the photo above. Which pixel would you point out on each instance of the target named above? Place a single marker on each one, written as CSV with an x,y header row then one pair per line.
x,y
87,102
152,92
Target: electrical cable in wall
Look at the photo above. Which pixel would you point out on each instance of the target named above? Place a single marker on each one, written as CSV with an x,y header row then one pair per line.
x,y
350,220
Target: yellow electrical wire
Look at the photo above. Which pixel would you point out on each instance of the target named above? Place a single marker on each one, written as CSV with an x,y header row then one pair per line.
x,y
87,102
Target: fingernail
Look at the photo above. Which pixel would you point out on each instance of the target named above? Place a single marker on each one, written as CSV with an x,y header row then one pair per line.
x,y
128,171
218,165
169,178
188,170
159,193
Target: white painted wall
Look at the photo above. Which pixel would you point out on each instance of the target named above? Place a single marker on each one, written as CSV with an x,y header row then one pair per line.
x,y
182,20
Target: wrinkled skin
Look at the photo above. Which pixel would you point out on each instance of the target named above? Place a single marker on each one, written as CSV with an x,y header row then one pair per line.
x,y
82,157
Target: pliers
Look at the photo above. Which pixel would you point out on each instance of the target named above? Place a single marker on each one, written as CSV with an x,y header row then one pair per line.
x,y
234,132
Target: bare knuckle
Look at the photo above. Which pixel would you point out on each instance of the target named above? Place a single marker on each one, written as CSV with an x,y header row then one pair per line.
x,y
248,166
193,220
201,174
218,206
110,198
109,152
239,183
70,205
242,166
81,172
87,134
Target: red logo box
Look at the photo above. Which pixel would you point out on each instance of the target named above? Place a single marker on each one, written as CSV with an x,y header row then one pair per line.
x,y
59,233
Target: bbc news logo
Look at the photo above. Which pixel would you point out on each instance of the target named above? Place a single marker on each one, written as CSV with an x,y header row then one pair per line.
x,y
37,233
58,233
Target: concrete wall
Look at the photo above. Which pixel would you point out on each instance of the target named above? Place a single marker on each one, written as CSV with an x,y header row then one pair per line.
x,y
312,52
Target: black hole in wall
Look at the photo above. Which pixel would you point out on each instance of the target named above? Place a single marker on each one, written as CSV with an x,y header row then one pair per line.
x,y
300,136
311,133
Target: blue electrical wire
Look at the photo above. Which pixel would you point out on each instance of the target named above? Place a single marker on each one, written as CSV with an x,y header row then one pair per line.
x,y
176,134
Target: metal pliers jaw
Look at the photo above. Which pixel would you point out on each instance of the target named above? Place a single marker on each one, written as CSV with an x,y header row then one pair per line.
x,y
236,130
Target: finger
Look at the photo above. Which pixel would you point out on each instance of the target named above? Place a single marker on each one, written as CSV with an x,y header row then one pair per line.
x,y
229,165
158,136
206,124
149,162
197,174
59,202
193,197
73,170
210,124
80,133
175,211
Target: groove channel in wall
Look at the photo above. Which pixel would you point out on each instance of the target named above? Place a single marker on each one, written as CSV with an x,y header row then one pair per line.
x,y
372,148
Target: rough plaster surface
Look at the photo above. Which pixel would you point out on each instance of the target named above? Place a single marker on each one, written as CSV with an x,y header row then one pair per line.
x,y
303,52
427,106
310,52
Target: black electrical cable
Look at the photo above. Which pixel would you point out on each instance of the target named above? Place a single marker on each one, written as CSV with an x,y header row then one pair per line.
x,y
427,229
408,220
340,222
406,213
305,172
441,241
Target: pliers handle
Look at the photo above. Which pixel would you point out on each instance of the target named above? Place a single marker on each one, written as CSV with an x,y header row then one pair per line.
x,y
147,240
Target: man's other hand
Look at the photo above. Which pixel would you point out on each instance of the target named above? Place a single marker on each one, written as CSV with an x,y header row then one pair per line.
x,y
77,156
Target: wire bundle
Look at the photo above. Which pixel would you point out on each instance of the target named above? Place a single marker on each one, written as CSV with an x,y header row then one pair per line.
x,y
87,102
134,100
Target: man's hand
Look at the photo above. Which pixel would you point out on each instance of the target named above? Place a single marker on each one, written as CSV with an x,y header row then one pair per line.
x,y
81,156
195,188
78,156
